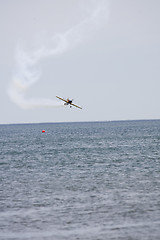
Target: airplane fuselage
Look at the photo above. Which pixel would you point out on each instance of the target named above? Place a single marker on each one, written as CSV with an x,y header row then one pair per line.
x,y
69,101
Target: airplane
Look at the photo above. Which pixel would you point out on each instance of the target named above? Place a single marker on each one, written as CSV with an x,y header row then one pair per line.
x,y
68,102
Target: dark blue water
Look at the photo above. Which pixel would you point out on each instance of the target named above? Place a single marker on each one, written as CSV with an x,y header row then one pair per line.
x,y
92,181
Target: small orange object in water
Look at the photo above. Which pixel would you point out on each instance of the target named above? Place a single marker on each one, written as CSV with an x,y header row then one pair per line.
x,y
43,131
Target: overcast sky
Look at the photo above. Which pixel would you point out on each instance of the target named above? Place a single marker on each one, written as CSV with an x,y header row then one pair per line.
x,y
104,54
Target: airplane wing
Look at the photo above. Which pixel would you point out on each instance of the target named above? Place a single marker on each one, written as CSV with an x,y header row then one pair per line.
x,y
61,99
75,105
69,103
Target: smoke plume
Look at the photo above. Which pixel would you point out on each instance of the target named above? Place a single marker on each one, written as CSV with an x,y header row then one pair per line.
x,y
27,72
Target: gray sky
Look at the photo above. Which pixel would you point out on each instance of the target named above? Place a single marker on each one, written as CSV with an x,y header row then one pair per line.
x,y
104,54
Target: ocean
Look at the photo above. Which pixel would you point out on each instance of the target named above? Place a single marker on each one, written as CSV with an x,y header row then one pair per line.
x,y
90,181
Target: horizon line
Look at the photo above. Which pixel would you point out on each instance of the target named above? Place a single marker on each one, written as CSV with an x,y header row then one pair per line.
x,y
96,121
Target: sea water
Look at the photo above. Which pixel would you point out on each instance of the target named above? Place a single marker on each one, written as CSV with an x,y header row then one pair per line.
x,y
91,181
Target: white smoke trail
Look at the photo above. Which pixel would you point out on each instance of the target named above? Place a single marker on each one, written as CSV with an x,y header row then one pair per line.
x,y
26,62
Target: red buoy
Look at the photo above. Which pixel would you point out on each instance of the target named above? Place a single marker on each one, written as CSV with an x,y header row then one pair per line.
x,y
43,131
